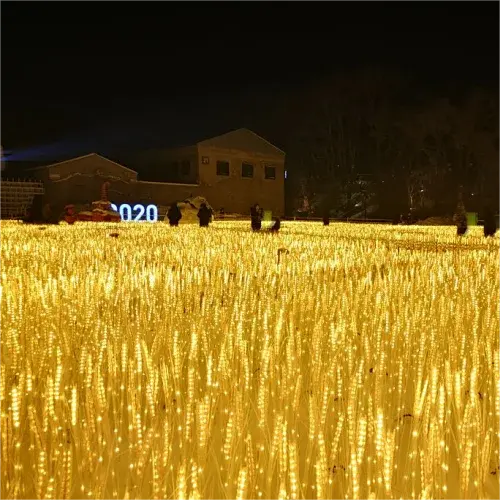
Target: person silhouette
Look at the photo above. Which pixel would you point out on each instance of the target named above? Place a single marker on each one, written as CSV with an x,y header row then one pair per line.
x,y
276,226
490,225
256,217
204,214
174,215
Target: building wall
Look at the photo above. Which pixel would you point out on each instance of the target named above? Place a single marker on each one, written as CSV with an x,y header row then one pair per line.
x,y
163,194
236,193
166,165
79,181
91,165
233,193
81,190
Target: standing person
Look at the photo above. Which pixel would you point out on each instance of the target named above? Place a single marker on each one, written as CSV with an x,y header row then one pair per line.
x,y
204,214
276,226
460,218
490,224
69,214
174,215
256,217
326,218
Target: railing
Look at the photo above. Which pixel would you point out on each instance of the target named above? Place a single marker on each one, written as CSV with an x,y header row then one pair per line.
x,y
16,196
21,181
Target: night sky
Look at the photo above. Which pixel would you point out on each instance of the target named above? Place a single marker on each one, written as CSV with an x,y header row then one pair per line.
x,y
96,75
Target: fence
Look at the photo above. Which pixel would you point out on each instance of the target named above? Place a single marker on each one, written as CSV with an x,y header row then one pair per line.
x,y
17,196
306,219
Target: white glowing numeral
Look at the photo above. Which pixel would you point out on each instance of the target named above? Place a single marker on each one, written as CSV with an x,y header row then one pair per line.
x,y
140,213
126,212
152,213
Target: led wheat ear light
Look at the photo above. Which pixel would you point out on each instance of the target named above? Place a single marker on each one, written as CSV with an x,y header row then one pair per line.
x,y
182,363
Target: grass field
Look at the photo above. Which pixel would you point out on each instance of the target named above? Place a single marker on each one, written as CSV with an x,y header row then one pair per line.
x,y
189,363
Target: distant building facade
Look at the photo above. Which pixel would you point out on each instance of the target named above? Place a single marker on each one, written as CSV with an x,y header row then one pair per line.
x,y
232,171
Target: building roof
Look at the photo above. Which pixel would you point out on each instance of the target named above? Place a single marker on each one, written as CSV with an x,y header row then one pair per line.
x,y
81,158
243,139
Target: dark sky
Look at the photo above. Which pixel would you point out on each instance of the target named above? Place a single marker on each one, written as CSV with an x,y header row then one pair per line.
x,y
76,75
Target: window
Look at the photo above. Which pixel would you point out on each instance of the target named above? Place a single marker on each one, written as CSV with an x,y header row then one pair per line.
x,y
205,160
246,170
185,168
223,168
270,173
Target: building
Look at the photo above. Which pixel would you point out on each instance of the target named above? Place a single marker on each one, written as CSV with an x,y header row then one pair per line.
x,y
232,171
79,180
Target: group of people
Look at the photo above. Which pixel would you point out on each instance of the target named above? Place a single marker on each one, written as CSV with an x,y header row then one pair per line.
x,y
489,221
256,216
43,214
174,215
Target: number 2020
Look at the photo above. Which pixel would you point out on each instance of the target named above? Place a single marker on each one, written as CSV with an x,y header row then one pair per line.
x,y
125,211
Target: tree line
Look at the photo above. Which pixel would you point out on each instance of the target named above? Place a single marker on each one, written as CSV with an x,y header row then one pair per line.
x,y
374,137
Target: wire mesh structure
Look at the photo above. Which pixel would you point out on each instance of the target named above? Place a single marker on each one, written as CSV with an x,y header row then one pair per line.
x,y
17,196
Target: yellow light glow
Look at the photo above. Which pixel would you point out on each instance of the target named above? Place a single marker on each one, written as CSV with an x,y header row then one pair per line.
x,y
185,363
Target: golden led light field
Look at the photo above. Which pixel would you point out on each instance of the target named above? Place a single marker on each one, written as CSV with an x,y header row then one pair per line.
x,y
187,363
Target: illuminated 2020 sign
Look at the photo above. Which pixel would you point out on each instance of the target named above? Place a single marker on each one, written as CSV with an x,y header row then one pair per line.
x,y
136,213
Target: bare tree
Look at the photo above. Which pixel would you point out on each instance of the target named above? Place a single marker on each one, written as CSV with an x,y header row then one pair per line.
x,y
371,122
